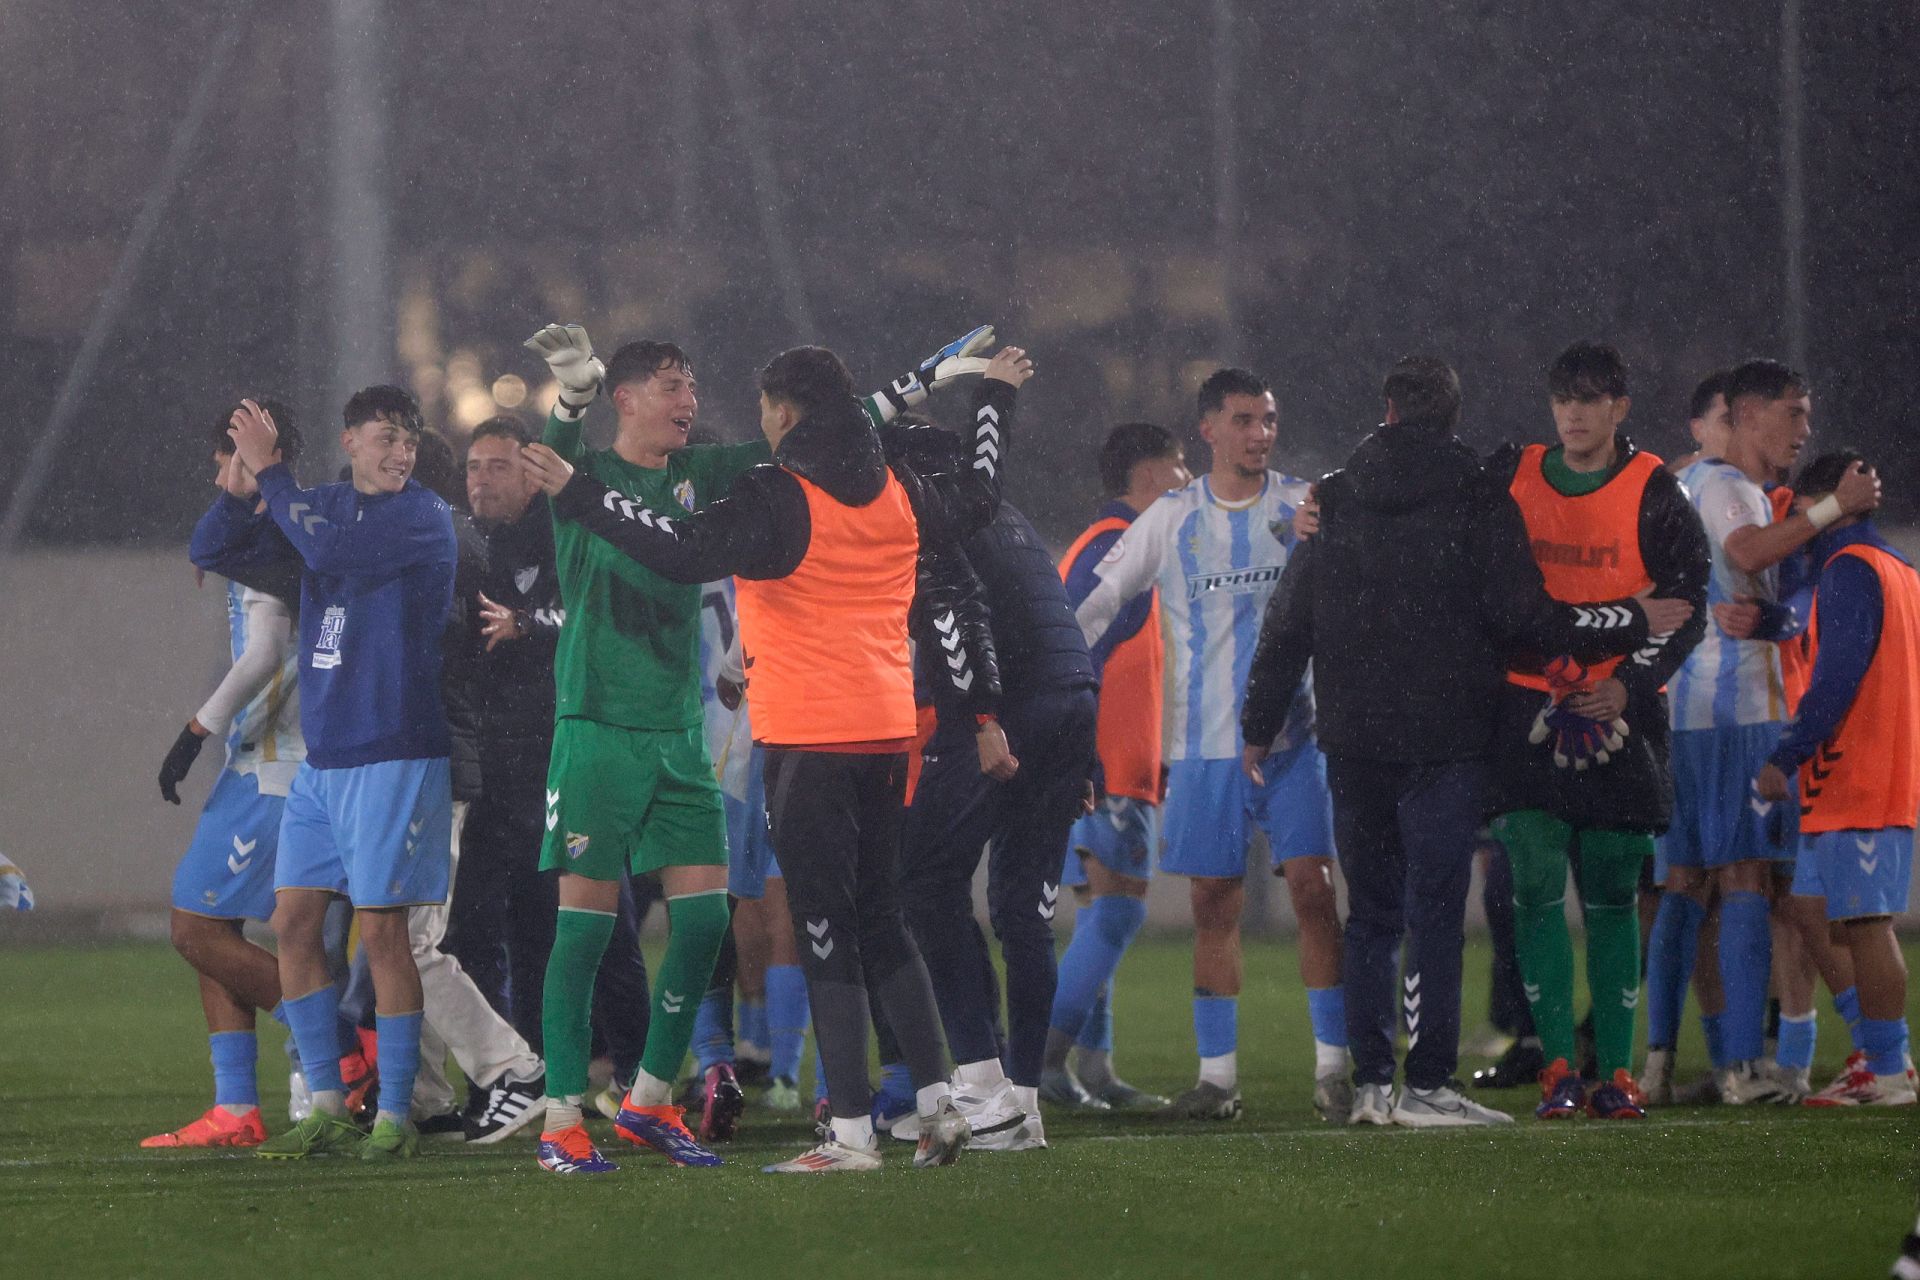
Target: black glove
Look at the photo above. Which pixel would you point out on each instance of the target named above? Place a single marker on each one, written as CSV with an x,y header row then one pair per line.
x,y
180,757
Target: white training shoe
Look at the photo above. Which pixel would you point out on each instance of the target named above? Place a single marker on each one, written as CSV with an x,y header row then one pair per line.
x,y
830,1157
995,1119
1372,1104
1656,1080
1746,1083
943,1136
1333,1096
1444,1107
1859,1087
1795,1083
299,1097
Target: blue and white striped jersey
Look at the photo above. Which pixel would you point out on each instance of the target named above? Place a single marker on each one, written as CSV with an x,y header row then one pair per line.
x,y
729,733
1216,564
1725,681
265,739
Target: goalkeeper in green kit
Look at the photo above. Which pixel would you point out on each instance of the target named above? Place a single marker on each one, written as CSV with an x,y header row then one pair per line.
x,y
630,786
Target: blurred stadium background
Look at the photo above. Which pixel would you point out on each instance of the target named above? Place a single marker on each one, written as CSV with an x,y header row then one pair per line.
x,y
208,200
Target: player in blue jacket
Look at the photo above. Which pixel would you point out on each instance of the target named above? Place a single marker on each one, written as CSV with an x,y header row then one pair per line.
x,y
369,814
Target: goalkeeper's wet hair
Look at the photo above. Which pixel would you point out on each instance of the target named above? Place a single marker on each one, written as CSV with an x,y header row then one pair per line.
x,y
1714,385
638,361
1229,382
1587,371
1822,476
1768,379
1126,447
383,403
290,442
1424,389
809,378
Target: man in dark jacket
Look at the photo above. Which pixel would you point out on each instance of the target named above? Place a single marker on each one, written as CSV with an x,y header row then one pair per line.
x,y
1407,704
1017,802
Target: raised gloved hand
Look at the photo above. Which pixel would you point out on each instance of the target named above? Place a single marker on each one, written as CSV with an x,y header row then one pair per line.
x,y
955,360
180,757
1579,741
569,356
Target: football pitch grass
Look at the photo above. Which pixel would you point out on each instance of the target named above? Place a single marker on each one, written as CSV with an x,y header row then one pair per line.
x,y
102,1046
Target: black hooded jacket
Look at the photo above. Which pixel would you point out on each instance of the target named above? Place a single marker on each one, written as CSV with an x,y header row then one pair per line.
x,y
1409,601
762,529
516,677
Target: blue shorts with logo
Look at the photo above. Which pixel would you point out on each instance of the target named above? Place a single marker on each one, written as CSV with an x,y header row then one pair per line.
x,y
1210,804
1717,819
227,872
379,834
1859,873
1120,834
750,859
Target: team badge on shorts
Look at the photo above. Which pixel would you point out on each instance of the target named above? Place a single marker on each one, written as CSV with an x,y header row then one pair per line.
x,y
576,845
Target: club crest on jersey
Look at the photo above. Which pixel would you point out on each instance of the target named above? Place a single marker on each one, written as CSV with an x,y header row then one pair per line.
x,y
525,578
683,494
326,646
576,845
1233,582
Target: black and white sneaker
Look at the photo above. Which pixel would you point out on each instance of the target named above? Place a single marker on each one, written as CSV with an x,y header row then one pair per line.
x,y
511,1106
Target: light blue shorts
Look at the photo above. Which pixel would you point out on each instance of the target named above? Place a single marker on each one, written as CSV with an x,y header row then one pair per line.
x,y
1210,804
1859,873
1121,835
227,872
750,859
1717,820
379,834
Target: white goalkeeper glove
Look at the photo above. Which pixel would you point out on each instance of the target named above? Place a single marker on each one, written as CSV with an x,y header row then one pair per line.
x,y
953,361
569,355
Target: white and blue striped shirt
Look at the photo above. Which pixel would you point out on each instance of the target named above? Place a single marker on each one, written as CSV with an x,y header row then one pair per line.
x,y
1216,564
264,739
1725,681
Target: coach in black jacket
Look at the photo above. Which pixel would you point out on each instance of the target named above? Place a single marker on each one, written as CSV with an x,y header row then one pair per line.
x,y
1018,810
1409,601
503,909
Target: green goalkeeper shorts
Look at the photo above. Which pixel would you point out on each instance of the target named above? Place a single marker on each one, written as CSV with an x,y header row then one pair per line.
x,y
638,799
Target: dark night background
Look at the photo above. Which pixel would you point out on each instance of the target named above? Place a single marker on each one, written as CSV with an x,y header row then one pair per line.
x,y
1484,182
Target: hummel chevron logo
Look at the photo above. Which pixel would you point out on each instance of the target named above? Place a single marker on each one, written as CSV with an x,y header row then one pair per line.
x,y
1606,615
553,809
1412,983
987,451
821,944
963,682
1869,858
1629,997
949,631
413,828
671,1003
1863,843
242,856
298,511
1049,900
956,662
1533,991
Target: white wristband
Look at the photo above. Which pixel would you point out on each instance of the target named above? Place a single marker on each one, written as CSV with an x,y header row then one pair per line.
x,y
1824,512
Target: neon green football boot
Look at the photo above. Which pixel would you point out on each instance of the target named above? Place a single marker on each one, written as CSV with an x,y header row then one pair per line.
x,y
319,1134
391,1140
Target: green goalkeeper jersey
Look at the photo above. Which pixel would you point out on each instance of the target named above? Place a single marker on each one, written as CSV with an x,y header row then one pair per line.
x,y
629,653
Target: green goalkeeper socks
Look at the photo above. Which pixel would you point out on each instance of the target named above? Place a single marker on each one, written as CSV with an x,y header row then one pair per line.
x,y
1536,844
698,924
566,1019
1610,864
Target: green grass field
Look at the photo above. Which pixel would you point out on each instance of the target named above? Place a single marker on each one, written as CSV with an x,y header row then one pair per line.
x,y
99,1047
